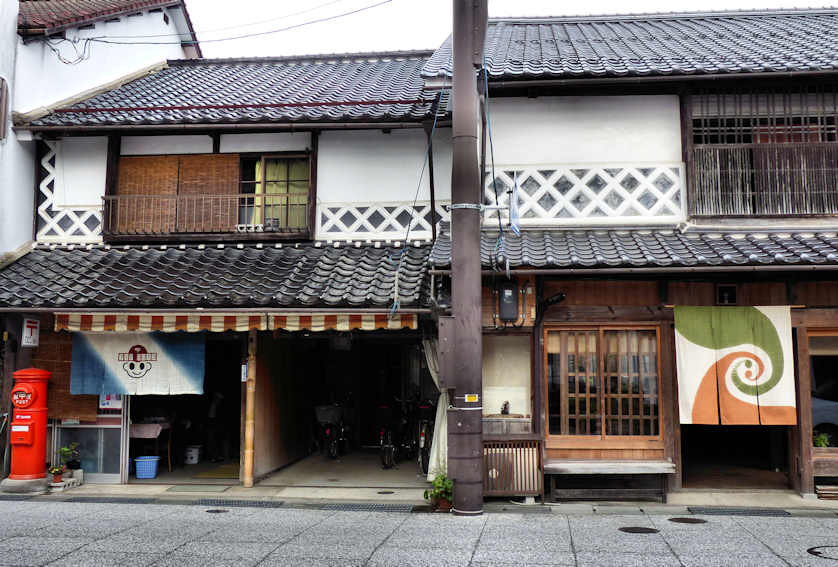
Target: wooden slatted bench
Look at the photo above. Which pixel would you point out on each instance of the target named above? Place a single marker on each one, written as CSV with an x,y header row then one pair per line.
x,y
626,479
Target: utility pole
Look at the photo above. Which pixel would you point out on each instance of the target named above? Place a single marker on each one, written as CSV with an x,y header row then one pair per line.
x,y
465,418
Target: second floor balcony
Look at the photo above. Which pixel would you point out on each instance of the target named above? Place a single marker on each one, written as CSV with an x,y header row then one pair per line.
x,y
166,215
764,179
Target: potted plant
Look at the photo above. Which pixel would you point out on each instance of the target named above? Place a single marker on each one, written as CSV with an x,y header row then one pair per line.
x,y
70,456
820,439
441,493
56,472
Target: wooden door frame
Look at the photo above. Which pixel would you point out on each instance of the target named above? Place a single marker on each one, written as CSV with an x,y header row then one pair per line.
x,y
601,441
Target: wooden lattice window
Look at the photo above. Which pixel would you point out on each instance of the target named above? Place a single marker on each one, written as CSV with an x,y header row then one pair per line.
x,y
603,381
767,152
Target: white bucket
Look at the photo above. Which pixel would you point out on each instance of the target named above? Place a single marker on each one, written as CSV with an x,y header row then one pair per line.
x,y
192,454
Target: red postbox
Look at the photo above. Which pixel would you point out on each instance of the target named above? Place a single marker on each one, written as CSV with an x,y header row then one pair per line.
x,y
28,430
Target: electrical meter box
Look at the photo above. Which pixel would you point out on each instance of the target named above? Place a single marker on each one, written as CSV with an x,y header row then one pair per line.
x,y
508,311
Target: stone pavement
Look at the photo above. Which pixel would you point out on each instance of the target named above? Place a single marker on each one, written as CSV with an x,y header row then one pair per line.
x,y
49,532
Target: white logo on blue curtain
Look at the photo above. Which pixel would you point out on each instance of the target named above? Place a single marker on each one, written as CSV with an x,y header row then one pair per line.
x,y
138,363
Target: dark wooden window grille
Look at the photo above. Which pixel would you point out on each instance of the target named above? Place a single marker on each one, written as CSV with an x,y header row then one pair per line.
x,y
764,152
603,382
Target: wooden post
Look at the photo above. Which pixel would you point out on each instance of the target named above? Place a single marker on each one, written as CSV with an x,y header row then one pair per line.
x,y
668,404
250,409
804,415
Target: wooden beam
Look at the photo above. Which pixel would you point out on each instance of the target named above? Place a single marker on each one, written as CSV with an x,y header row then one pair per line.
x,y
804,413
250,409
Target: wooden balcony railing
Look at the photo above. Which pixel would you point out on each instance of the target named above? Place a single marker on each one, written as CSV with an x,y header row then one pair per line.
x,y
787,179
159,215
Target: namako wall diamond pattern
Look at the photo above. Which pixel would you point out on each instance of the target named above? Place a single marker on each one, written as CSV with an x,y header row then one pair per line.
x,y
561,195
58,224
376,221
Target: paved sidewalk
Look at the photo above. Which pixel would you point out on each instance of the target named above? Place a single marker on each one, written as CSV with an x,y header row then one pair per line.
x,y
50,532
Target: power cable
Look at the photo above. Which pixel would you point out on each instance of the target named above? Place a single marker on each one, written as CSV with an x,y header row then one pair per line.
x,y
199,32
244,36
500,244
401,254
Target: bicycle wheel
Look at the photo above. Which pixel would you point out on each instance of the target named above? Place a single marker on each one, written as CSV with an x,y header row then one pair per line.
x,y
424,459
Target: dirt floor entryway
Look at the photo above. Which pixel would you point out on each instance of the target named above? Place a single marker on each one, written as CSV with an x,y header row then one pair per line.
x,y
735,456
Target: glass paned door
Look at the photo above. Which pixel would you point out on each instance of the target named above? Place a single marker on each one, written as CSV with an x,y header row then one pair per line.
x,y
602,382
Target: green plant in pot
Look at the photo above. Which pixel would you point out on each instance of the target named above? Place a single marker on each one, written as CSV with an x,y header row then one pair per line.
x,y
56,471
820,439
441,492
70,456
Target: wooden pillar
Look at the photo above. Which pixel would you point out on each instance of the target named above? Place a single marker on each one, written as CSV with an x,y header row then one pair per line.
x,y
250,409
668,405
804,416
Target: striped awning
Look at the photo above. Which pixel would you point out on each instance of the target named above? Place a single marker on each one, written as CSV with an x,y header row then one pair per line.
x,y
220,322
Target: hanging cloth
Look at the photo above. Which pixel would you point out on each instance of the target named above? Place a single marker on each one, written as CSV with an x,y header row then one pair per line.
x,y
138,363
735,365
438,462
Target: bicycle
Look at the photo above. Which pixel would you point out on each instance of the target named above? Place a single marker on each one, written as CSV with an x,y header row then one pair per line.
x,y
427,417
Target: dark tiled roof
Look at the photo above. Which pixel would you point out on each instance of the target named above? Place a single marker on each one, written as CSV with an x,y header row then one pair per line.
x,y
57,13
650,249
656,44
308,275
308,89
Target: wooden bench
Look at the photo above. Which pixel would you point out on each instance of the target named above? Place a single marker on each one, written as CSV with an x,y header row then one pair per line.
x,y
608,479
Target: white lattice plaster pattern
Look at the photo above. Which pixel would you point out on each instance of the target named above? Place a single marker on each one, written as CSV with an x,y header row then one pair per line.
x,y
78,224
377,221
585,195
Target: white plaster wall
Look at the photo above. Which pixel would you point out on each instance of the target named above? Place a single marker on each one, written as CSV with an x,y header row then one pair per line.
x,y
160,145
507,374
371,166
81,172
276,142
42,79
16,165
592,129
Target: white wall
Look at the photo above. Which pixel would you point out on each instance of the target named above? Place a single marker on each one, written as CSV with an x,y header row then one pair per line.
x,y
276,142
507,374
81,172
592,129
16,167
161,145
368,165
42,79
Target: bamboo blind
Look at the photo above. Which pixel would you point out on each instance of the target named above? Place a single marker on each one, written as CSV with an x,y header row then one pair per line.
x,y
206,178
141,176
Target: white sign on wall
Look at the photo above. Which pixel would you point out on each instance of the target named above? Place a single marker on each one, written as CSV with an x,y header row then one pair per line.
x,y
31,333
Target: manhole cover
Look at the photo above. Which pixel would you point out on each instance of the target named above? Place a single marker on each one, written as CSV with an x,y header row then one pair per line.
x,y
386,492
216,511
638,530
688,520
824,552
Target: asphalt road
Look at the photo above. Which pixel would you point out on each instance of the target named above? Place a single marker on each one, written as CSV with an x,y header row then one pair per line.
x,y
80,534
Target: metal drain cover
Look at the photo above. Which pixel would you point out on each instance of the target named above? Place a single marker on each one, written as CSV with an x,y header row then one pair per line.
x,y
824,552
368,507
240,503
386,492
737,511
688,520
638,530
110,500
217,511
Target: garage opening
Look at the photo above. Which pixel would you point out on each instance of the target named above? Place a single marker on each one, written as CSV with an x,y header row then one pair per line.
x,y
735,456
196,437
325,399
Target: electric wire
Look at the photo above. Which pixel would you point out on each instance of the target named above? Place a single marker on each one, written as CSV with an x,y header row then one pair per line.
x,y
237,26
500,244
401,254
244,36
